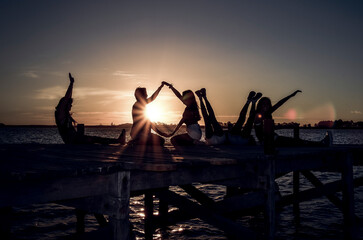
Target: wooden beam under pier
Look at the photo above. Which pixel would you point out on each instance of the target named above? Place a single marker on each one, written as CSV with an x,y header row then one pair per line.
x,y
47,173
232,229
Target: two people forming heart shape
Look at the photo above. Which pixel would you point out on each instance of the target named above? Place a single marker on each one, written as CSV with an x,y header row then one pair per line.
x,y
141,128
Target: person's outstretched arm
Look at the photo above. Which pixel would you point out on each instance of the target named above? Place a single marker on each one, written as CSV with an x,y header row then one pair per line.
x,y
176,128
176,92
70,87
62,104
155,94
282,101
158,131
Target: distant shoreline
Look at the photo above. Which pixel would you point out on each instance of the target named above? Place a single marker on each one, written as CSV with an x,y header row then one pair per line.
x,y
54,126
128,125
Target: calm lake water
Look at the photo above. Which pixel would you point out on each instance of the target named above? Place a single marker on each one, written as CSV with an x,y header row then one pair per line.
x,y
320,219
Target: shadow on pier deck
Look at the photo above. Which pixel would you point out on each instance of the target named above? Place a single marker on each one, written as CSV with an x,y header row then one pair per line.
x,y
100,180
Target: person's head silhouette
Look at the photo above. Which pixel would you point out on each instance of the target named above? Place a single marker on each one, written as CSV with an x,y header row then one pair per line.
x,y
141,95
188,98
67,102
264,105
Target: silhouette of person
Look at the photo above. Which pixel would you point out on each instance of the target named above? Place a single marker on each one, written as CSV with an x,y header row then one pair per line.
x,y
141,128
242,135
264,111
190,117
66,124
215,135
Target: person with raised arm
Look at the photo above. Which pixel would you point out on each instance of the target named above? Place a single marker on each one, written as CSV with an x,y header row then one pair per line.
x,y
141,127
264,111
190,118
67,125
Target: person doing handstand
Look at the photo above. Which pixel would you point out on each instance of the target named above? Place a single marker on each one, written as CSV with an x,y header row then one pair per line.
x,y
66,124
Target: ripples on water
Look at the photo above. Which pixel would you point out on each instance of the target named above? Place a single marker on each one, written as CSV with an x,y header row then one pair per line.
x,y
319,218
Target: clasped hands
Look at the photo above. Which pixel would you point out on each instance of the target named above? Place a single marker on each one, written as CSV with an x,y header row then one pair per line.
x,y
166,84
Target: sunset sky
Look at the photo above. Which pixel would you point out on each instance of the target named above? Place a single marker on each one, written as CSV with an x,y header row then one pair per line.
x,y
228,47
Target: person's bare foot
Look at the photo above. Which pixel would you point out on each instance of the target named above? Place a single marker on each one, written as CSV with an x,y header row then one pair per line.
x,y
199,93
204,92
256,97
251,95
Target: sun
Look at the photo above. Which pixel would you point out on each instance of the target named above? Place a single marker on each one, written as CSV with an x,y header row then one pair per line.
x,y
154,112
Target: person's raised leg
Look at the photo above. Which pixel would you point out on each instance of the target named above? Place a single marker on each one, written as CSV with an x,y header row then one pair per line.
x,y
206,117
236,130
216,126
246,131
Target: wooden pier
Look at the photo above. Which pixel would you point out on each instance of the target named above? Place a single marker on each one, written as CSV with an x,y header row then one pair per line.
x,y
100,180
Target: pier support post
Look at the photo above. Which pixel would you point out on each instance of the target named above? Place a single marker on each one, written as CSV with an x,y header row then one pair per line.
x,y
149,213
80,215
119,201
100,219
296,189
348,196
269,150
6,214
270,206
163,205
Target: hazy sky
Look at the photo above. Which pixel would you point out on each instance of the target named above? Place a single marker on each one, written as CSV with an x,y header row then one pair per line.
x,y
228,47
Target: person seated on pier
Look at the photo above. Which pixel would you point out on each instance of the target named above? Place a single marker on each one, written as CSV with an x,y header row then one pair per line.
x,y
141,127
66,124
215,135
190,117
264,111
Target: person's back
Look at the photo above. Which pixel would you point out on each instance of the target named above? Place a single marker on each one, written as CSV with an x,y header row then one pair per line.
x,y
141,127
64,121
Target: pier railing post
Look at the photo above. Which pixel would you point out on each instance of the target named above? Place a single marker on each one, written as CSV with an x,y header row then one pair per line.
x,y
120,200
348,196
296,131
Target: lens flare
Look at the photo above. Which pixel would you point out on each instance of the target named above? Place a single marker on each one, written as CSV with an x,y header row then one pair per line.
x,y
154,112
325,112
291,114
